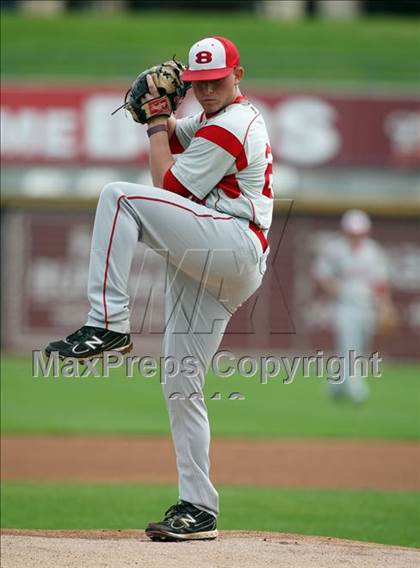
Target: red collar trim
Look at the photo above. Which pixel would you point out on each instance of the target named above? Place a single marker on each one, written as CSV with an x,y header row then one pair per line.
x,y
239,99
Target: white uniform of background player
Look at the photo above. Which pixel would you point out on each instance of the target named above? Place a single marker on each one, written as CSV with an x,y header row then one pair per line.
x,y
210,222
353,271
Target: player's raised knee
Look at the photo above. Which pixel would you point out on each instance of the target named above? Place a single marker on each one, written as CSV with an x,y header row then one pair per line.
x,y
113,190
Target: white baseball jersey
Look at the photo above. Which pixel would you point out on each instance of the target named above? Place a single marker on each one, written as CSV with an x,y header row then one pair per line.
x,y
226,161
359,270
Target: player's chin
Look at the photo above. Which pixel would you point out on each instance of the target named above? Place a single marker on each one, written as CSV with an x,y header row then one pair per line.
x,y
210,106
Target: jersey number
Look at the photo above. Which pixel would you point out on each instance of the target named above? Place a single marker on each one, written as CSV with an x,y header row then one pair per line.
x,y
203,57
267,189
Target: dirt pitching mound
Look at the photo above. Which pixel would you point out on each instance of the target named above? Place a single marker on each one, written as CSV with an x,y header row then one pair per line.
x,y
233,549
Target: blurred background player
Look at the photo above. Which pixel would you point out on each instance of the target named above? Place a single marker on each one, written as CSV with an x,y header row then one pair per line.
x,y
352,270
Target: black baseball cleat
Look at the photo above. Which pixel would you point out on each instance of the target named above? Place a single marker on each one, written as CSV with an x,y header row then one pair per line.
x,y
184,521
90,342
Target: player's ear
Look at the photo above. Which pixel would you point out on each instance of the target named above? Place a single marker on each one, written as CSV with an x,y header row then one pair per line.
x,y
238,73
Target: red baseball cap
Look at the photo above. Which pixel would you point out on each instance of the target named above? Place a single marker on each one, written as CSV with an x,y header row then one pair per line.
x,y
211,58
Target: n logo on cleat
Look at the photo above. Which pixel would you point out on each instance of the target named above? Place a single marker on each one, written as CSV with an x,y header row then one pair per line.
x,y
94,342
182,522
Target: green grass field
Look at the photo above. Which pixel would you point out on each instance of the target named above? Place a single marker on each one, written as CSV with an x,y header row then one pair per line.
x,y
118,405
387,517
366,52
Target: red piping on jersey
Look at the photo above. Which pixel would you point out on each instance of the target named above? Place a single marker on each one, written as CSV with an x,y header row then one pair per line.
x,y
175,145
171,183
114,223
249,126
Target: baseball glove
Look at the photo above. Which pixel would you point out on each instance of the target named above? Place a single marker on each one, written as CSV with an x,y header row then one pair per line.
x,y
172,90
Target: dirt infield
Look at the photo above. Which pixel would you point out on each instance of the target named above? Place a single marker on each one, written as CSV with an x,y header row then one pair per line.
x,y
288,463
233,549
279,463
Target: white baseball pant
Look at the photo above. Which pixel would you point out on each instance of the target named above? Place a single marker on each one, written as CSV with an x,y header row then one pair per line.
x,y
354,327
215,262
